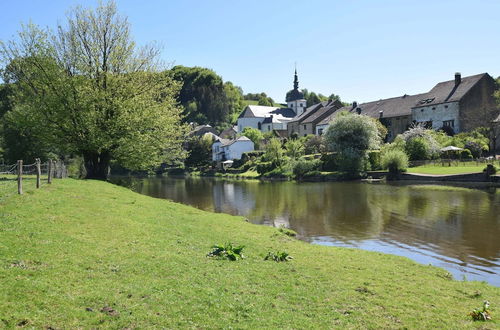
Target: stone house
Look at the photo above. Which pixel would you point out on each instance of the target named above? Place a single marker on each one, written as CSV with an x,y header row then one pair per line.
x,y
457,105
306,123
461,104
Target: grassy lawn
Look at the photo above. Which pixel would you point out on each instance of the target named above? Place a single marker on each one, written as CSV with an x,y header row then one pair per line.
x,y
443,170
87,254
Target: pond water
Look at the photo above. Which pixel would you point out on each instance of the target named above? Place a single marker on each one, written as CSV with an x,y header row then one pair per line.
x,y
456,228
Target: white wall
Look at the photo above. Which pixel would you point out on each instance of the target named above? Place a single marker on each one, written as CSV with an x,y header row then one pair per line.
x,y
249,122
235,150
299,106
216,148
440,113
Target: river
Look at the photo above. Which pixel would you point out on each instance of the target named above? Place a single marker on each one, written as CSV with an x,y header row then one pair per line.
x,y
456,228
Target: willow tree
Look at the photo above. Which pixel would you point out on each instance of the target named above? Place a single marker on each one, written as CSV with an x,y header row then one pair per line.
x,y
94,92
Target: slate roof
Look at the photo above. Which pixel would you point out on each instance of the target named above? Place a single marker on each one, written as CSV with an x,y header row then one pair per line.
x,y
226,142
323,112
252,111
309,110
446,91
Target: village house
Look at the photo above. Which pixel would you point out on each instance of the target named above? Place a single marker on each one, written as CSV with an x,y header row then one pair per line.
x,y
305,123
457,105
223,149
229,133
268,119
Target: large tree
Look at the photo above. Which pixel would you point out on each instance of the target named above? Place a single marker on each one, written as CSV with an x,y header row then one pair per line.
x,y
94,93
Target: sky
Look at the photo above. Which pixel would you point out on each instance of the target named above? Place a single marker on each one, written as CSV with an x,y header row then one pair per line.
x,y
360,50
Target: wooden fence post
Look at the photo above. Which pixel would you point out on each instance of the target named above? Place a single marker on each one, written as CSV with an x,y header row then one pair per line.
x,y
49,172
38,173
20,177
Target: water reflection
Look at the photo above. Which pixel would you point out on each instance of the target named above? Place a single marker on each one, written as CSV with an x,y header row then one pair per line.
x,y
454,228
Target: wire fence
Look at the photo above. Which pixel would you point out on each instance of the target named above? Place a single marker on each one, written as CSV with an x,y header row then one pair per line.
x,y
36,171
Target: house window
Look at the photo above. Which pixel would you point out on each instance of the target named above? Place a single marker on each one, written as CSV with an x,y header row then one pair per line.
x,y
259,125
301,105
433,108
446,106
291,104
422,110
449,123
269,127
320,131
305,126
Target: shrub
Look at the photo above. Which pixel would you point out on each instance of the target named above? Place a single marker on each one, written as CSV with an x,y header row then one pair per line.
x,y
374,159
313,144
329,162
227,251
278,256
302,167
287,231
490,169
475,148
351,136
396,161
466,154
264,167
432,147
279,172
418,149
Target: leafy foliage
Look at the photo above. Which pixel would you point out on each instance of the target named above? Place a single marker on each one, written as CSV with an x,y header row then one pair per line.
x,y
278,256
396,161
227,251
294,148
200,151
206,99
253,134
301,167
94,93
420,143
481,314
274,152
351,136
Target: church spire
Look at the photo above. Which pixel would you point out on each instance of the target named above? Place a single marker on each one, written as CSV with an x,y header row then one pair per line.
x,y
296,79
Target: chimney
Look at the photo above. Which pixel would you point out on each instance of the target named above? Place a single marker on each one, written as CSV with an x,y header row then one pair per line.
x,y
458,78
381,113
354,104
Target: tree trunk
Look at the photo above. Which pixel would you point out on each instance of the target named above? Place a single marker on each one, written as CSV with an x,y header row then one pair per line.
x,y
96,165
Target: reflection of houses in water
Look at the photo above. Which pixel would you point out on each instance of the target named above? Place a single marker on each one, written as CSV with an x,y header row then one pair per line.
x,y
231,198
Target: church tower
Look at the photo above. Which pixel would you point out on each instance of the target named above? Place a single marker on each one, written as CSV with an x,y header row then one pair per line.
x,y
295,98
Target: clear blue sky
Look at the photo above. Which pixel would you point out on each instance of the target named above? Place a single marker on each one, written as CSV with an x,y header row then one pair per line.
x,y
361,50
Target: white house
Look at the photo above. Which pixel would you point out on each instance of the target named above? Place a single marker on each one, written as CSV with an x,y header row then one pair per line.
x,y
223,149
255,116
268,119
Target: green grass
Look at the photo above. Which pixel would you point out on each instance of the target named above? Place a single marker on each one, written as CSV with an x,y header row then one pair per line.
x,y
87,254
252,102
444,170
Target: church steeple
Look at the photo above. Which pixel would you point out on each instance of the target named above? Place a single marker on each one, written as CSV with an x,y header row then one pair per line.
x,y
296,80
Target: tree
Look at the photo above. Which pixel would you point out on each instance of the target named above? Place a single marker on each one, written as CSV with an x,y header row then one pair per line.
x,y
351,136
294,148
94,93
200,151
274,152
205,97
253,134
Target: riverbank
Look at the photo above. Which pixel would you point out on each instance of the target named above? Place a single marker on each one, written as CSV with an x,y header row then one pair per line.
x,y
90,254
